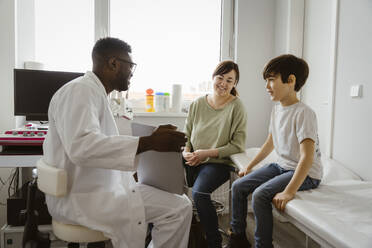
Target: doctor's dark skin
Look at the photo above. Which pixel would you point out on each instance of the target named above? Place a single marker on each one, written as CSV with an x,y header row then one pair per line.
x,y
115,73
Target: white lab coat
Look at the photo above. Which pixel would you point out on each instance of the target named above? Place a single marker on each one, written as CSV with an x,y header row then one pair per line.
x,y
102,194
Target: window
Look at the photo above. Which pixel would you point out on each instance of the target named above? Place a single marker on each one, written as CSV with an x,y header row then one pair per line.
x,y
172,42
64,34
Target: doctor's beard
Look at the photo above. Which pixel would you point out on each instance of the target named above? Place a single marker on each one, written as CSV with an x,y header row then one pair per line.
x,y
122,81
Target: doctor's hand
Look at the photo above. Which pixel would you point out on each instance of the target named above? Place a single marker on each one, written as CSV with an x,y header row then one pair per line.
x,y
162,140
167,126
281,199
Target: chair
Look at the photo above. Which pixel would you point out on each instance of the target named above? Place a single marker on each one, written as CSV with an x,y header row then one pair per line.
x,y
53,181
197,235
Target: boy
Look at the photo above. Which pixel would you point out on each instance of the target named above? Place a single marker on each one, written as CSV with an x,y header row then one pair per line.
x,y
293,135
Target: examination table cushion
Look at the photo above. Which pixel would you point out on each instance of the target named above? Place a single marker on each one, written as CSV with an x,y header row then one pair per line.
x,y
339,210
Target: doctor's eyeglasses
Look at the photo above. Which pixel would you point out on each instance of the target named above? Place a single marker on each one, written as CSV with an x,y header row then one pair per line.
x,y
131,64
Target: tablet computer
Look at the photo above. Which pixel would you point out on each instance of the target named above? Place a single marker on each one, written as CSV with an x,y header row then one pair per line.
x,y
162,170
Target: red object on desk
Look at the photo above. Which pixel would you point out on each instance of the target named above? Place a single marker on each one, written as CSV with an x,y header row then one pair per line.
x,y
22,138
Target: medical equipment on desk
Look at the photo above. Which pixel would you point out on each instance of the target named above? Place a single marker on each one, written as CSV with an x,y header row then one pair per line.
x,y
150,100
24,136
162,102
166,102
120,106
159,103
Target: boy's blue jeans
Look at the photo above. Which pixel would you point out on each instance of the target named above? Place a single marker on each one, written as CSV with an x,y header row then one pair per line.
x,y
264,183
210,177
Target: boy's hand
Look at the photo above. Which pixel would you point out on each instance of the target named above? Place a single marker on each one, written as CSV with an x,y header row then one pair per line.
x,y
281,199
244,172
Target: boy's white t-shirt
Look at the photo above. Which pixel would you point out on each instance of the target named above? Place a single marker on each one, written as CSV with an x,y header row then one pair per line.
x,y
289,126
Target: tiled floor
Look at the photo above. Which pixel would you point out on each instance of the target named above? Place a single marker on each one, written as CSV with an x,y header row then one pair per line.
x,y
285,234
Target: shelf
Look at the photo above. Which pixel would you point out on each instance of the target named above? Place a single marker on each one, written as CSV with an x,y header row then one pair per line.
x,y
160,114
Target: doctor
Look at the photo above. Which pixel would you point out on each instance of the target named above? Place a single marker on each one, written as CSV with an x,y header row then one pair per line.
x,y
83,139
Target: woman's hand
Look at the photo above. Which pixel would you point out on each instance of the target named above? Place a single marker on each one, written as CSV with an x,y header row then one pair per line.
x,y
201,154
190,158
187,155
196,157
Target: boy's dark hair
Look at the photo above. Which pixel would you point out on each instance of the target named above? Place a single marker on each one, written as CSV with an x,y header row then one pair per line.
x,y
286,65
225,67
108,47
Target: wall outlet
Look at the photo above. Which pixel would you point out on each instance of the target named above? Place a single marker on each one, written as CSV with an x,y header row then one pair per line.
x,y
356,91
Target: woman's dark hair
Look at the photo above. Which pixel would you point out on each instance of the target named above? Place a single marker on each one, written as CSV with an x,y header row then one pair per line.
x,y
225,67
286,65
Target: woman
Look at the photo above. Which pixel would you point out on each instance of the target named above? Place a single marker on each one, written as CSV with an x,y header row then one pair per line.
x,y
215,128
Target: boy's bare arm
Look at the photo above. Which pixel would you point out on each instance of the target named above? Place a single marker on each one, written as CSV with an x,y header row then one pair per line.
x,y
265,150
302,169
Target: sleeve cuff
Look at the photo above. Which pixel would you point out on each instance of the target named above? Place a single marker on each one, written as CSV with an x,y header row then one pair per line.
x,y
130,159
302,138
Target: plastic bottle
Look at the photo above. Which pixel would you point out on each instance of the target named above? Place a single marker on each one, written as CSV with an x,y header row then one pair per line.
x,y
159,102
166,102
150,100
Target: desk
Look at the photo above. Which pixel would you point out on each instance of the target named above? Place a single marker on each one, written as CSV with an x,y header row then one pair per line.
x,y
10,161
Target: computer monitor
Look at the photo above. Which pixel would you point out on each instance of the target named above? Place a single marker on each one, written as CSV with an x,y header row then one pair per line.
x,y
33,90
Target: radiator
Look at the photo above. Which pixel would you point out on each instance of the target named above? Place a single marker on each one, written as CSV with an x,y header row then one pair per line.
x,y
222,194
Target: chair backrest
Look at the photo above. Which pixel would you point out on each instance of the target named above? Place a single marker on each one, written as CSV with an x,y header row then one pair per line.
x,y
51,180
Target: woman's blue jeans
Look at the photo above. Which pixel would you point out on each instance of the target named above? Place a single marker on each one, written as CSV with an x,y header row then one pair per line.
x,y
264,183
209,178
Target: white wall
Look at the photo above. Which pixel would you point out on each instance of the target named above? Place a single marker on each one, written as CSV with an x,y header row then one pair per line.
x,y
16,46
289,16
317,50
350,55
353,117
281,27
254,47
25,32
7,62
265,29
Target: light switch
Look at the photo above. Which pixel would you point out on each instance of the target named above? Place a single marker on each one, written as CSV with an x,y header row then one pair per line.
x,y
356,90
